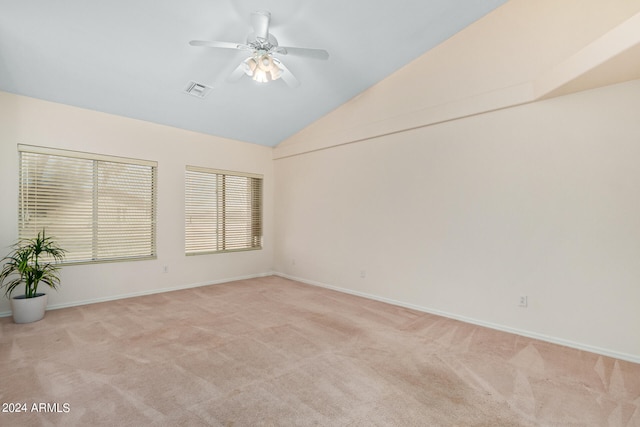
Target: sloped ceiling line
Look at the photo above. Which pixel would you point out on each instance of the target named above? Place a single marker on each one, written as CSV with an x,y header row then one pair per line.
x,y
612,58
621,41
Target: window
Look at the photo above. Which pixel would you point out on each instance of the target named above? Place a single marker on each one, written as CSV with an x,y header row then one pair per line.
x,y
98,208
223,211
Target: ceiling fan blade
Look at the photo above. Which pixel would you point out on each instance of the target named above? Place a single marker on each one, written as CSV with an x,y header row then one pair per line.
x,y
287,75
260,22
237,73
224,45
303,51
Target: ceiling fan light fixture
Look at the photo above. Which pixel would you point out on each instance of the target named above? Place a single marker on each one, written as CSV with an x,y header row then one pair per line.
x,y
263,68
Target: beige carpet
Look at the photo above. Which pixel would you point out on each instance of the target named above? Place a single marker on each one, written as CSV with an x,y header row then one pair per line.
x,y
274,352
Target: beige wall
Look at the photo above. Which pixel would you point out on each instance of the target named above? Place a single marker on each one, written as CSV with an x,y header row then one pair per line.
x,y
36,122
464,217
459,218
520,52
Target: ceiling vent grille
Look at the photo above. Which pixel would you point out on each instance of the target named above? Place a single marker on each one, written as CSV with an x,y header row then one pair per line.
x,y
198,90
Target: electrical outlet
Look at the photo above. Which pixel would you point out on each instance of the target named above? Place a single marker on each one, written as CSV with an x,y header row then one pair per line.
x,y
165,269
524,301
363,273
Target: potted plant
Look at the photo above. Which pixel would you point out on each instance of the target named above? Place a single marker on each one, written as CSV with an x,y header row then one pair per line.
x,y
31,262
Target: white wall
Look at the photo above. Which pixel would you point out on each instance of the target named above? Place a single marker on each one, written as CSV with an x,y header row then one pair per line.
x,y
36,122
464,217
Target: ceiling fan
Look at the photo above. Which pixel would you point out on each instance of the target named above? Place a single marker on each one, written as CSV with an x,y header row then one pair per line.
x,y
262,66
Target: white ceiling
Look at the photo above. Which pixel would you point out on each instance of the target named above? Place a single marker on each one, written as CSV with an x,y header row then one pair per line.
x,y
132,57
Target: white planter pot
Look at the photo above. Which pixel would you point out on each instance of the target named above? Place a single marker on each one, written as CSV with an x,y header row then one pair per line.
x,y
27,310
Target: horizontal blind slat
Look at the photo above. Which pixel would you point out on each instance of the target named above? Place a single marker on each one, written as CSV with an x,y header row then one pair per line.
x,y
97,207
223,210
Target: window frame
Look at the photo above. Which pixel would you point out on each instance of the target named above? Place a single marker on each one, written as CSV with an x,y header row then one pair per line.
x,y
98,165
255,229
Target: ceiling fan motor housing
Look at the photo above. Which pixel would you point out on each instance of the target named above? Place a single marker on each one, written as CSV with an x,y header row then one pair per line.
x,y
259,43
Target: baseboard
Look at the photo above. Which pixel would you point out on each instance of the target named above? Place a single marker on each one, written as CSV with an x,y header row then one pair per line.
x,y
503,328
148,292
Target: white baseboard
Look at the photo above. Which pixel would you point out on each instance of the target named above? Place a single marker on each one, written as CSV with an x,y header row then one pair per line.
x,y
148,292
503,328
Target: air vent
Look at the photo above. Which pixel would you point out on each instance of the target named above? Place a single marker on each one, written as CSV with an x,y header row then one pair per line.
x,y
197,89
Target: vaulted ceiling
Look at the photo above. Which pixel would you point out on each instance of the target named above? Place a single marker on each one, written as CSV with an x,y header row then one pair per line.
x,y
422,58
524,51
133,58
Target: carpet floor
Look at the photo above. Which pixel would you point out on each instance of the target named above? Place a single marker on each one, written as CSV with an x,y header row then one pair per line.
x,y
274,352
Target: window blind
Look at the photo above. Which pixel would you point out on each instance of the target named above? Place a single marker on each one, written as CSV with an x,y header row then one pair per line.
x,y
223,211
98,208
